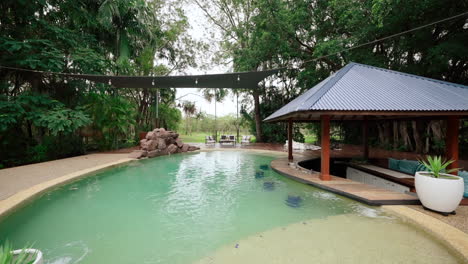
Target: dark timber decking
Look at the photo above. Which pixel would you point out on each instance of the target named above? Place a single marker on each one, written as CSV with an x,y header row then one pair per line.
x,y
361,192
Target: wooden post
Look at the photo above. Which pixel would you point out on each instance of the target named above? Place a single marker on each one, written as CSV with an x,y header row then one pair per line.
x,y
451,141
325,158
290,140
365,138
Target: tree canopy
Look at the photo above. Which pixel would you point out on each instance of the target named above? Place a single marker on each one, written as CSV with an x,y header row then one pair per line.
x,y
300,34
131,37
148,38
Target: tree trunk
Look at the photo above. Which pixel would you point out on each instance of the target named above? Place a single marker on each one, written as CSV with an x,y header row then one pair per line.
x,y
438,136
380,129
387,133
427,148
258,121
437,130
405,136
419,144
395,135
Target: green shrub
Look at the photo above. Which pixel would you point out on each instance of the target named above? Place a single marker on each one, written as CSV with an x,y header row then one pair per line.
x,y
7,257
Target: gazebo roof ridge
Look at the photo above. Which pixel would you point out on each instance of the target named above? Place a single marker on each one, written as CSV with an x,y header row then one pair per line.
x,y
369,89
410,75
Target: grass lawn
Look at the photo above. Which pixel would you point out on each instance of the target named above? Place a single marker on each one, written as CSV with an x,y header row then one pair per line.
x,y
310,138
199,137
196,137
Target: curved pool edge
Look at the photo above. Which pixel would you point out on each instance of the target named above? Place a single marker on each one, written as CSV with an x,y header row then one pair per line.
x,y
452,237
303,227
21,198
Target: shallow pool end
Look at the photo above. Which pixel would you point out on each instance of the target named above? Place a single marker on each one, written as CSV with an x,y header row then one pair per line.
x,y
452,237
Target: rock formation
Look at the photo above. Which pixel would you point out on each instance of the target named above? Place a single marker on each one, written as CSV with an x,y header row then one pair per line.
x,y
161,142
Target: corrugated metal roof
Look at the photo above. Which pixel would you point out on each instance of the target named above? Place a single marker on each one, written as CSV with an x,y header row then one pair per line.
x,y
359,87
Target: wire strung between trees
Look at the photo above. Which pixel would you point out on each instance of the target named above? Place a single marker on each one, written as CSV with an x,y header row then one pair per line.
x,y
387,37
304,62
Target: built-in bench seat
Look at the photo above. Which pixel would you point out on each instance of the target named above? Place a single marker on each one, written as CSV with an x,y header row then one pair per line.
x,y
381,177
398,177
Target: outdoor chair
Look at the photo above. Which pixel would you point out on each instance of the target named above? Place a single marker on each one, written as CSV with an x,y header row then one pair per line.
x,y
232,139
223,139
209,140
245,140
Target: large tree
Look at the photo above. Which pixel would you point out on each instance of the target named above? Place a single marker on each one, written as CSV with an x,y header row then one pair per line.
x,y
234,20
133,37
301,34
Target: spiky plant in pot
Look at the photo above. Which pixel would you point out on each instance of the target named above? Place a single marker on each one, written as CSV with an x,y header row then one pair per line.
x,y
437,190
436,165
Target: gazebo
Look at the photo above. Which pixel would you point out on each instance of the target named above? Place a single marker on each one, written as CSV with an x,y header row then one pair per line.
x,y
367,93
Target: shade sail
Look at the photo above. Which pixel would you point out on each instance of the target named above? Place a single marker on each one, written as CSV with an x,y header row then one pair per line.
x,y
225,80
358,90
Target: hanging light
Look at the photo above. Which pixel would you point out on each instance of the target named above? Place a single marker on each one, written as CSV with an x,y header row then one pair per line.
x,y
65,81
152,82
466,24
110,82
196,81
238,78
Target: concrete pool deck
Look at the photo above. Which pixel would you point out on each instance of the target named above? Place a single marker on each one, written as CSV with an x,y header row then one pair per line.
x,y
23,183
19,185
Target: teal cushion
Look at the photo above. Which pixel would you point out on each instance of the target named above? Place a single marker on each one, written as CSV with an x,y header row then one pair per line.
x,y
421,167
464,175
408,166
393,164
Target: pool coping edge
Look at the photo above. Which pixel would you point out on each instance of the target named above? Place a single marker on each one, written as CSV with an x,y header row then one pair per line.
x,y
450,236
21,198
455,239
337,191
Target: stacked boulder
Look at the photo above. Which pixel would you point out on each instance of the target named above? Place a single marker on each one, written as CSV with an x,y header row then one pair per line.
x,y
161,142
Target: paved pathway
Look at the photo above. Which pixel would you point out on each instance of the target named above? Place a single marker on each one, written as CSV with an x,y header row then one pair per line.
x,y
13,180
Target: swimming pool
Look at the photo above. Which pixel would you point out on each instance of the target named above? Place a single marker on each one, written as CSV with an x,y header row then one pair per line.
x,y
209,207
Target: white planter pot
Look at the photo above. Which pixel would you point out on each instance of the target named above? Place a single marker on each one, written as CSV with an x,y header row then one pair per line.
x,y
31,251
439,194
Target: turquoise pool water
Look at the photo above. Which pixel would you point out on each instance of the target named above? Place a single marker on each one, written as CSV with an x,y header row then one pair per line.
x,y
174,209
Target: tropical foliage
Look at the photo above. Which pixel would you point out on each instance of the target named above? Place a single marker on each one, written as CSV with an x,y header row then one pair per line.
x,y
309,39
7,256
437,165
299,34
46,116
201,123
